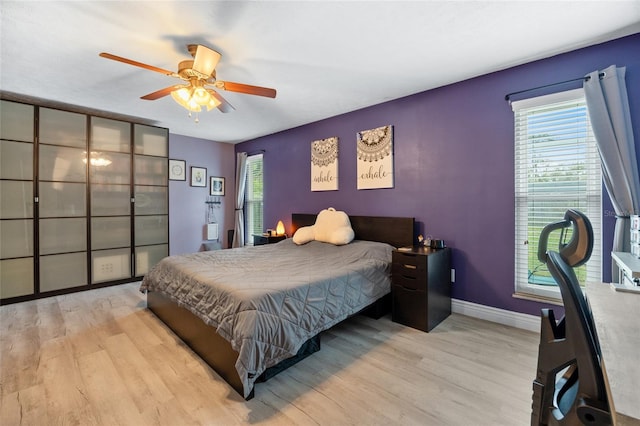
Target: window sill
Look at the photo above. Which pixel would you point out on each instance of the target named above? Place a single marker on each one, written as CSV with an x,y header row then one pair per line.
x,y
537,298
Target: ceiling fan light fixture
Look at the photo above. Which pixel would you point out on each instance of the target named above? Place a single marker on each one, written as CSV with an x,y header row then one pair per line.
x,y
193,106
184,98
201,96
183,94
195,96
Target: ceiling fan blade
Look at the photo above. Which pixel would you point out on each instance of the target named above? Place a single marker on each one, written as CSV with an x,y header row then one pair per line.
x,y
204,59
224,105
245,88
138,64
161,93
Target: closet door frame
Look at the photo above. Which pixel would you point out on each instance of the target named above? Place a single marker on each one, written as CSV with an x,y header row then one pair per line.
x,y
37,225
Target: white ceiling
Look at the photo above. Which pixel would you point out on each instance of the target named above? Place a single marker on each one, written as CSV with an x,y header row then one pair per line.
x,y
324,57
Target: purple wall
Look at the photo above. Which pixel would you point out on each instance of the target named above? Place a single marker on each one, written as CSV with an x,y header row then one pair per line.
x,y
453,166
187,208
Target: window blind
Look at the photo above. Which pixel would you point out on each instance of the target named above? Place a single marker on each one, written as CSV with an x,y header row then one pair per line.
x,y
557,167
253,198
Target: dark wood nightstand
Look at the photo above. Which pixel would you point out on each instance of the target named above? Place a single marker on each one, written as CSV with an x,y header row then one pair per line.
x,y
421,286
260,239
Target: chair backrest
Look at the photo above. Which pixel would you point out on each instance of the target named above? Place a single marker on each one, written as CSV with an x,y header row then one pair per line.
x,y
578,250
584,397
573,254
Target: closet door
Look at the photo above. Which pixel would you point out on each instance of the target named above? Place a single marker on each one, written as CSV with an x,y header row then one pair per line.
x,y
151,194
83,200
110,199
62,193
16,200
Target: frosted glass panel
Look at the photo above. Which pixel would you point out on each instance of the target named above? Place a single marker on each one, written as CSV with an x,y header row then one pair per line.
x,y
63,128
110,135
151,140
147,257
16,160
151,230
63,271
110,265
16,121
117,172
110,200
151,170
16,277
62,164
110,232
17,238
63,235
151,200
16,199
62,199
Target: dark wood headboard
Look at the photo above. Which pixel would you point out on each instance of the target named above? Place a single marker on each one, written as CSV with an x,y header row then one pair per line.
x,y
397,231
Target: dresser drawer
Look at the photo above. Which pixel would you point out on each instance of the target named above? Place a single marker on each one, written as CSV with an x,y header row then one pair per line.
x,y
409,280
409,307
409,264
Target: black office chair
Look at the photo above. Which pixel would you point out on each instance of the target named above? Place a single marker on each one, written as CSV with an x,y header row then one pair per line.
x,y
581,396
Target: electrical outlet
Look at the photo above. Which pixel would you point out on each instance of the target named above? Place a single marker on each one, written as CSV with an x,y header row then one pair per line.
x,y
453,275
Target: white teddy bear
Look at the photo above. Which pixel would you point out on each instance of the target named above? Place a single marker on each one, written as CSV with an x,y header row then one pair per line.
x,y
331,226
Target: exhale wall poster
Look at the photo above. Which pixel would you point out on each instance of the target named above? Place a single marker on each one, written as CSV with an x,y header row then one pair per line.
x,y
375,158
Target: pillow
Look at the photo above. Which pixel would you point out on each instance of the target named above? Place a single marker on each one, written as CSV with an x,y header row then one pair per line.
x,y
331,226
303,235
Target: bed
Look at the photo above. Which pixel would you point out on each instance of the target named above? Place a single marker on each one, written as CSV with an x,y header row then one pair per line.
x,y
270,303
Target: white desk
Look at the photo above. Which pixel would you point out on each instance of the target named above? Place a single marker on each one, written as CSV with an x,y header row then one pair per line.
x,y
617,318
629,267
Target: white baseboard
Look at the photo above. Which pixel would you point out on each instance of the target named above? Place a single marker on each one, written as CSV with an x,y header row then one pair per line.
x,y
501,316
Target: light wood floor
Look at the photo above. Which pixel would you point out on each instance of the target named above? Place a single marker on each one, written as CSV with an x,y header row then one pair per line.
x,y
101,358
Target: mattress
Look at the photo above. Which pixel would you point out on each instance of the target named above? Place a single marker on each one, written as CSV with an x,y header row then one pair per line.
x,y
268,300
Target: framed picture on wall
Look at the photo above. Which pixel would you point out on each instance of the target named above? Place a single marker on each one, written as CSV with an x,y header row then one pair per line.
x,y
374,162
177,170
217,186
198,176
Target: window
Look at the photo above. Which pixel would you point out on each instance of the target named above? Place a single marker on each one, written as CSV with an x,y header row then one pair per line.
x,y
557,167
253,198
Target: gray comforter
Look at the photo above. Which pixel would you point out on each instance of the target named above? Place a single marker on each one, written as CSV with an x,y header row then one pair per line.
x,y
268,300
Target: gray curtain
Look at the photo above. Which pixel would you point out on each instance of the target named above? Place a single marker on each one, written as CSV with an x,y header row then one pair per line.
x,y
241,180
608,106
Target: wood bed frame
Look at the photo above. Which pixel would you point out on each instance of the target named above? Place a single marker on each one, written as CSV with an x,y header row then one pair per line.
x,y
217,352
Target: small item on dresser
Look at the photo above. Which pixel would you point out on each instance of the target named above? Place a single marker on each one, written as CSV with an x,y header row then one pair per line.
x,y
437,244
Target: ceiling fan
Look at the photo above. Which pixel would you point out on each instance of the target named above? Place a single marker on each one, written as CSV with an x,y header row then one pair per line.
x,y
199,77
